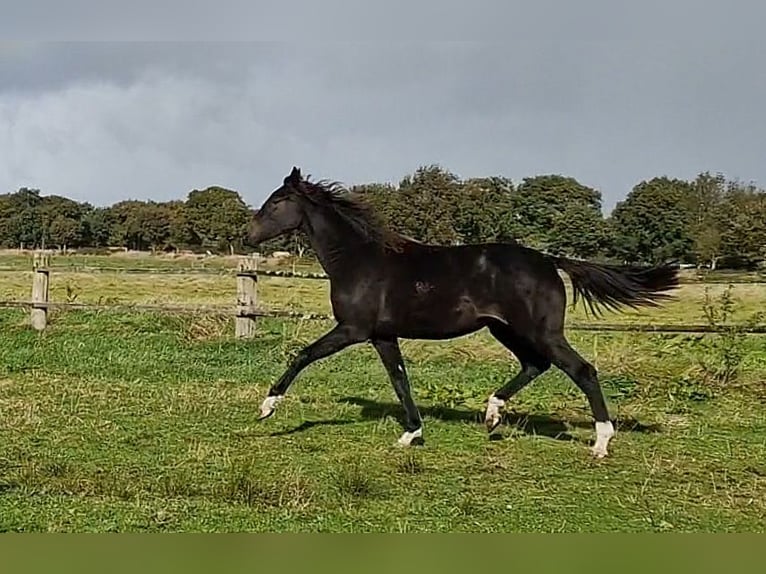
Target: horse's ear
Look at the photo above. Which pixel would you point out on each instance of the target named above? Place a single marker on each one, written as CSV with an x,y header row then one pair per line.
x,y
294,177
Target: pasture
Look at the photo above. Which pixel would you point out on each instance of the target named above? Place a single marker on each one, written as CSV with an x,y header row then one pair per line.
x,y
146,421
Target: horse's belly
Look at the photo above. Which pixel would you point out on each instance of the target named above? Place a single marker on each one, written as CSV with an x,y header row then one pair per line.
x,y
435,321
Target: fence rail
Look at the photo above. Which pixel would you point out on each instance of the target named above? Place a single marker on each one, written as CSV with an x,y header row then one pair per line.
x,y
172,271
286,313
179,270
247,310
168,308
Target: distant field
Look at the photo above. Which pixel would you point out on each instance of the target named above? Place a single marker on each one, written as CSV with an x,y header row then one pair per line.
x,y
145,422
217,286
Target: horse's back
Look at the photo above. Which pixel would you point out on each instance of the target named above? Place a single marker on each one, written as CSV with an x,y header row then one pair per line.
x,y
433,291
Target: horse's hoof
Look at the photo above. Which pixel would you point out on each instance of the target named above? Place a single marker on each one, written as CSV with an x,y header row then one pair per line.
x,y
598,453
493,424
268,406
492,418
411,438
604,433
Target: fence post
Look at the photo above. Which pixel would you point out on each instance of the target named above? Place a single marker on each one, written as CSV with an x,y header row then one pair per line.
x,y
40,281
247,298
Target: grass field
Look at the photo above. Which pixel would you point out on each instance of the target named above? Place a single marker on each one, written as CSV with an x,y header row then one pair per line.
x,y
217,286
129,422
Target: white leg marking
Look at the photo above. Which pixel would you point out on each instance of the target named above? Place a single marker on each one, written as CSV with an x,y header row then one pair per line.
x,y
604,432
492,417
268,405
407,438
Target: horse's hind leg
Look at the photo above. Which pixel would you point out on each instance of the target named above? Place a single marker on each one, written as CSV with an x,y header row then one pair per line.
x,y
533,364
585,377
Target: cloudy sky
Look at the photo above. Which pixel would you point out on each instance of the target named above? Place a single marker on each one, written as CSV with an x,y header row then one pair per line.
x,y
609,97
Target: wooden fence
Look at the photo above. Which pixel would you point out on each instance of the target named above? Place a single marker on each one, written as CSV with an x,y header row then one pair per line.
x,y
246,310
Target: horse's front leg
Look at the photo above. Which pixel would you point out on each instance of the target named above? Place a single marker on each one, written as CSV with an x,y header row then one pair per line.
x,y
340,337
391,356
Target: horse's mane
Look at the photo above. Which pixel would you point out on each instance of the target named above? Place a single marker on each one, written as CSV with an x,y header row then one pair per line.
x,y
355,210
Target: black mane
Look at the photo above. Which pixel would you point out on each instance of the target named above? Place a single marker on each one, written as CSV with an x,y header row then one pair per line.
x,y
354,209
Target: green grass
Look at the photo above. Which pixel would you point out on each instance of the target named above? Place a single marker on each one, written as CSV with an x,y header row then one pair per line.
x,y
142,422
133,422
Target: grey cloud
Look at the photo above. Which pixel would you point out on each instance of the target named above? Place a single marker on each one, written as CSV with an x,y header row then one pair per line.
x,y
608,96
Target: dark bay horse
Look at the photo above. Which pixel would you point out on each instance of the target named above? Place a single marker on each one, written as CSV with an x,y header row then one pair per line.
x,y
385,286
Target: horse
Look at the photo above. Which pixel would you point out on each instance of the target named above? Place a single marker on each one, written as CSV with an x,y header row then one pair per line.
x,y
385,286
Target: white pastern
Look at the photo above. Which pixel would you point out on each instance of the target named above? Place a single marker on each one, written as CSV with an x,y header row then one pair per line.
x,y
269,404
604,432
492,418
407,438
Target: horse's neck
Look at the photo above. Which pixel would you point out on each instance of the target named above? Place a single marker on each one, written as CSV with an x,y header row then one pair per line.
x,y
337,245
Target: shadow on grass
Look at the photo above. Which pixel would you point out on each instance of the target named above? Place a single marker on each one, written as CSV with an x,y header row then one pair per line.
x,y
530,424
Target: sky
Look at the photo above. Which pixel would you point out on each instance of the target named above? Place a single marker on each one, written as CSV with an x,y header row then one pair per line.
x,y
610,96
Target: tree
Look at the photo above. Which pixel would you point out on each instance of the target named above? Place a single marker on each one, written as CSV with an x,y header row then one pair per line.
x,y
384,199
156,221
541,204
31,220
430,195
180,234
65,232
651,224
743,236
704,207
98,223
20,224
483,211
218,218
140,225
62,222
705,221
579,231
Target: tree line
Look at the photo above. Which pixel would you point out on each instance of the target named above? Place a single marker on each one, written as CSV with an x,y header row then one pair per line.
x,y
709,221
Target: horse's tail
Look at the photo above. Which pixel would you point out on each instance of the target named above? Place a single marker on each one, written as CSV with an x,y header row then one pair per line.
x,y
616,285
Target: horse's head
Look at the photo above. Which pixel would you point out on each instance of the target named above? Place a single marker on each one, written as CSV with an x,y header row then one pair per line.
x,y
281,212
